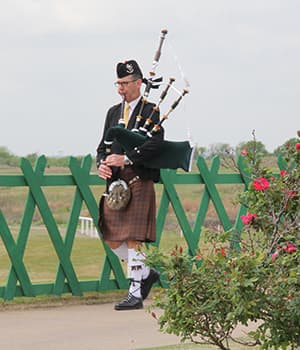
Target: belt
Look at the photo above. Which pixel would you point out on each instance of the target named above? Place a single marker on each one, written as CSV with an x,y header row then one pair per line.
x,y
133,180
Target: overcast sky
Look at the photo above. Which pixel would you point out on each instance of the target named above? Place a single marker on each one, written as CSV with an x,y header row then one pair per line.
x,y
241,59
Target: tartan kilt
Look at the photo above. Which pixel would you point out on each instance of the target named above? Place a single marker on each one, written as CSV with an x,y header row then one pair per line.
x,y
137,221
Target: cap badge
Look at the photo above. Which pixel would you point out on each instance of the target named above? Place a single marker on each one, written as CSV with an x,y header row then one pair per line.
x,y
129,68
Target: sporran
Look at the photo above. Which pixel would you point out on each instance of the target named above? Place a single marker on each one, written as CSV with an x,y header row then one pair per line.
x,y
118,195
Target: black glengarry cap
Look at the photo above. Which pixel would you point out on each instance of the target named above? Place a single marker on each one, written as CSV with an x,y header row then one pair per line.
x,y
128,68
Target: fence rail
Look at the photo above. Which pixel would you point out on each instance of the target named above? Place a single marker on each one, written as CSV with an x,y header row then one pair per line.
x,y
87,227
66,281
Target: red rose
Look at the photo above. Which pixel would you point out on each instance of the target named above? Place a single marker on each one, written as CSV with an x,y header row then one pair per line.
x,y
274,256
261,184
292,194
297,146
291,248
222,251
247,219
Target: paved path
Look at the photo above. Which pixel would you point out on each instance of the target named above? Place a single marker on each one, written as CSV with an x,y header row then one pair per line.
x,y
84,327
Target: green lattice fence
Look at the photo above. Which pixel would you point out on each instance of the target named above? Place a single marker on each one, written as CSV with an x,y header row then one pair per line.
x,y
81,179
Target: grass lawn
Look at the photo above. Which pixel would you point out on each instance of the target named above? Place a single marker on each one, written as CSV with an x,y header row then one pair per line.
x,y
87,255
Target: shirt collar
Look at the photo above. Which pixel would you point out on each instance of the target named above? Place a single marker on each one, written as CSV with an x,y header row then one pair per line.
x,y
133,104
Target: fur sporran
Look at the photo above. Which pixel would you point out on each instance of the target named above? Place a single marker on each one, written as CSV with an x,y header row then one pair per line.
x,y
118,196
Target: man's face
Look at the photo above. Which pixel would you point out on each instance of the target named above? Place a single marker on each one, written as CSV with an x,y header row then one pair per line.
x,y
129,87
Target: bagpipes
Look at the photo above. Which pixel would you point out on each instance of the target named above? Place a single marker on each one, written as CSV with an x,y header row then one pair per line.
x,y
173,154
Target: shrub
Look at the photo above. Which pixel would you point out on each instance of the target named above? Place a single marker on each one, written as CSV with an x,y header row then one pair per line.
x,y
252,274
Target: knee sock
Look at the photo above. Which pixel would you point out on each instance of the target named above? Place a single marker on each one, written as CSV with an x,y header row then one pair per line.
x,y
145,268
137,271
122,251
146,271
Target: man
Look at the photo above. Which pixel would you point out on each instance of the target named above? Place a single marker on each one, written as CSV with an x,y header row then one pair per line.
x,y
125,230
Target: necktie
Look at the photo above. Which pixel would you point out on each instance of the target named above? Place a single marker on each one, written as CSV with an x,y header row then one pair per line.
x,y
126,113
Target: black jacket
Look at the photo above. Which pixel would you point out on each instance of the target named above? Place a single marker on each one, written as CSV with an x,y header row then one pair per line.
x,y
140,154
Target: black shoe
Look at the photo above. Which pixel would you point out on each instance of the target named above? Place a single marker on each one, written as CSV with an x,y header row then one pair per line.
x,y
148,282
130,303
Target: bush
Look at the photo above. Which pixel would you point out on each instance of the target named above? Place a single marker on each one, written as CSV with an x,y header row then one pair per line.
x,y
248,275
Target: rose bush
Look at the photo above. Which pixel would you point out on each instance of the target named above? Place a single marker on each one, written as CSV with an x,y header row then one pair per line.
x,y
247,275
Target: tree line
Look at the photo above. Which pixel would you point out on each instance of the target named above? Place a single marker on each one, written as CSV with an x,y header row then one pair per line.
x,y
7,158
226,150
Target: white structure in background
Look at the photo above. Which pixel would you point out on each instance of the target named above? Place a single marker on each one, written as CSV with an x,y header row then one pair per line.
x,y
87,227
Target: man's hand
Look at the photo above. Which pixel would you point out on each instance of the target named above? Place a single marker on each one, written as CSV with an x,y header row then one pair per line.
x,y
115,160
104,170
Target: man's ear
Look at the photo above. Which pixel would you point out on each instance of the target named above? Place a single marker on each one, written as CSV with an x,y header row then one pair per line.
x,y
139,82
